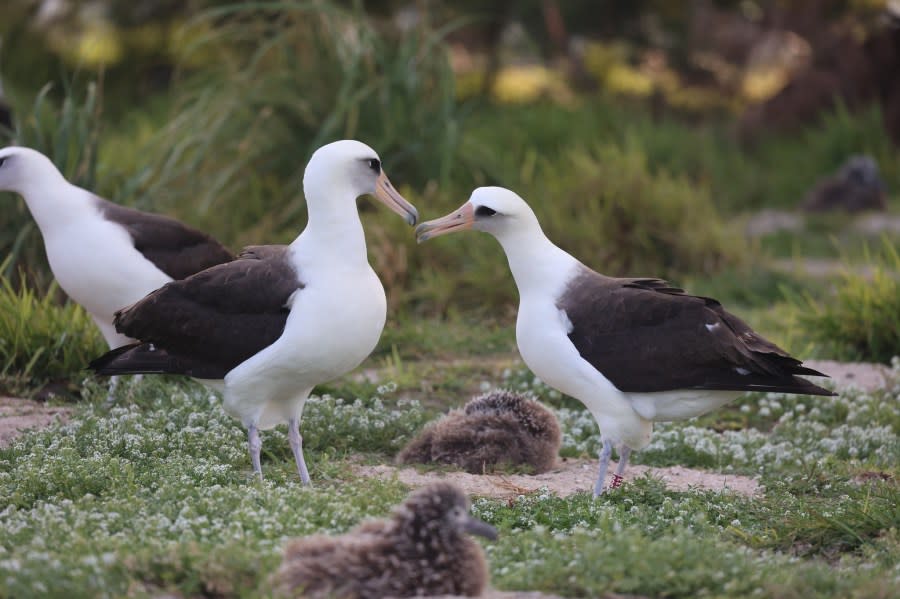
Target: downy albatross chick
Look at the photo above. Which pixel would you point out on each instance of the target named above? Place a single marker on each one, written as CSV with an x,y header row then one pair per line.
x,y
633,351
499,428
104,256
856,187
422,550
279,320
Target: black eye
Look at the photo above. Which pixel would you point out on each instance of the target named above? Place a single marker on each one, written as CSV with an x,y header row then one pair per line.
x,y
485,211
2,160
374,164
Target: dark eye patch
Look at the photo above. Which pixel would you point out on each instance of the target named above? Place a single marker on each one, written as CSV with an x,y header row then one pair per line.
x,y
485,211
374,164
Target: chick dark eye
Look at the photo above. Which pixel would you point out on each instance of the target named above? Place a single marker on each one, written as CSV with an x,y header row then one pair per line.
x,y
485,211
2,160
374,165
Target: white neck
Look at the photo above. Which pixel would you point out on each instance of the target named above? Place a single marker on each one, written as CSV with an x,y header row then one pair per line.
x,y
54,202
334,231
536,262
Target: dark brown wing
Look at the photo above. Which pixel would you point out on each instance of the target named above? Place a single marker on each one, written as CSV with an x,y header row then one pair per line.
x,y
173,247
645,335
209,323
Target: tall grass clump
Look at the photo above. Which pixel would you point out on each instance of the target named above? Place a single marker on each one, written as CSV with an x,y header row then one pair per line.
x,y
290,77
68,133
607,207
861,320
40,340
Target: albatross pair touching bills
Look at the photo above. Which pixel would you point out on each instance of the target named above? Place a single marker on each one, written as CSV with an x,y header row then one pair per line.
x,y
633,350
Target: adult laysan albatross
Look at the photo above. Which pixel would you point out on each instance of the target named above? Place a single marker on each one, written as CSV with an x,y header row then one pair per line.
x,y
280,319
633,350
104,256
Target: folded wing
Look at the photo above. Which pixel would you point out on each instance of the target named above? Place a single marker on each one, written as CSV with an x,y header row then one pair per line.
x,y
173,247
210,322
645,335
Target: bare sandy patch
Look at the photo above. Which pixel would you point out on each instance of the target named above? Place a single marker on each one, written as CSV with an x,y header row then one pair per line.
x,y
867,376
569,477
19,415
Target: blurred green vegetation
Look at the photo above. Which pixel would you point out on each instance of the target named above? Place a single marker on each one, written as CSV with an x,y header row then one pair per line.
x,y
860,320
41,341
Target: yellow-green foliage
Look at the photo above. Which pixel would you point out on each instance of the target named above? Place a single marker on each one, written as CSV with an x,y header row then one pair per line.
x,y
862,319
608,208
41,340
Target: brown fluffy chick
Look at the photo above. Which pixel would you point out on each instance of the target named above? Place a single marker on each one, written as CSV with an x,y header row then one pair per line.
x,y
497,429
856,187
422,550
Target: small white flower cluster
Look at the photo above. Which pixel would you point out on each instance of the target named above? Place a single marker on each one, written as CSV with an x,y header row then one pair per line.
x,y
523,380
371,425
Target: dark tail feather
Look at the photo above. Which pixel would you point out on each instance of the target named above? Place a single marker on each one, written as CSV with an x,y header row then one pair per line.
x,y
146,358
794,384
808,371
801,386
137,358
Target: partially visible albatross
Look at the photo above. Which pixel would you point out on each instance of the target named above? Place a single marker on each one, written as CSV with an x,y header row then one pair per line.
x,y
104,256
633,350
279,320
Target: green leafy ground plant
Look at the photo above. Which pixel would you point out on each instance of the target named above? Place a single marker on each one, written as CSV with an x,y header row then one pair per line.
x,y
41,339
861,319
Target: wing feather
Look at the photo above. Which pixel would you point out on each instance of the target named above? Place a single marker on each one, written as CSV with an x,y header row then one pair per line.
x,y
646,335
211,321
173,247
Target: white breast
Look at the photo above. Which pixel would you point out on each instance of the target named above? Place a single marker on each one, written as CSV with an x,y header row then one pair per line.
x,y
542,335
334,324
95,263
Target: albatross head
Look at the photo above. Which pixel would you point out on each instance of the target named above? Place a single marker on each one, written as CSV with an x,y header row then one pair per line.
x,y
352,168
494,210
21,168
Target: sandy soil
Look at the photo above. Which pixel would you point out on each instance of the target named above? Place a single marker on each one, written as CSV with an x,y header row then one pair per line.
x,y
766,222
862,375
18,415
821,268
569,477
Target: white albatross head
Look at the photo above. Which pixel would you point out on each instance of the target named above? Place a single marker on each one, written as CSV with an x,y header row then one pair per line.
x,y
495,210
351,168
22,169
